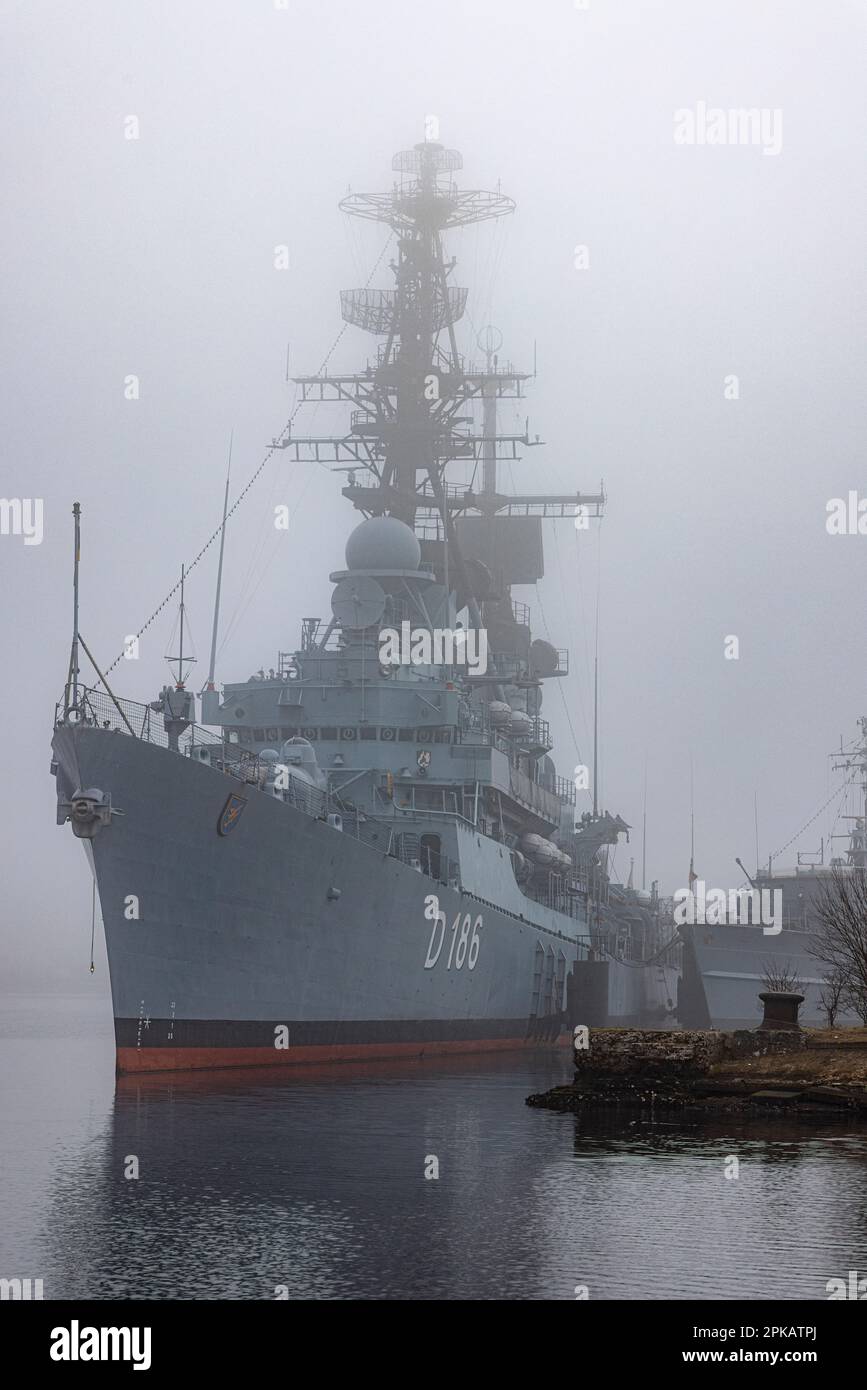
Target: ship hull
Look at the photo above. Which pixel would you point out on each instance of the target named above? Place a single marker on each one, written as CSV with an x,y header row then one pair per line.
x,y
609,993
287,940
724,970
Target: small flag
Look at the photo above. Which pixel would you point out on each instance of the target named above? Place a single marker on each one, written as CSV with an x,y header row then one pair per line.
x,y
693,876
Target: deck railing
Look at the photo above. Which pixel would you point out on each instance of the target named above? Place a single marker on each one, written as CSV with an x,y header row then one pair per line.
x,y
98,710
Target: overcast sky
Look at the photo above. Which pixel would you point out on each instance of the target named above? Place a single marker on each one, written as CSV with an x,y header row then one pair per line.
x,y
154,257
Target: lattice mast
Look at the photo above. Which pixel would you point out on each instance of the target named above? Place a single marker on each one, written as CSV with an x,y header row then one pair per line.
x,y
409,420
855,763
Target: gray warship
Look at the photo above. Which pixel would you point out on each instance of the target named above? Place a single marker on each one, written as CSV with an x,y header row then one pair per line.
x,y
367,851
726,965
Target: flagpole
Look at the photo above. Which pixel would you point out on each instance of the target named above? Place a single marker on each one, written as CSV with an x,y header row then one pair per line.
x,y
692,877
644,832
210,681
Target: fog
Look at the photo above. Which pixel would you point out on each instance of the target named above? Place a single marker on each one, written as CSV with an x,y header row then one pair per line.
x,y
154,257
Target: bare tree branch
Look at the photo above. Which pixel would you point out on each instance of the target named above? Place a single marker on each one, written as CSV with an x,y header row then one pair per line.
x,y
782,977
840,942
834,994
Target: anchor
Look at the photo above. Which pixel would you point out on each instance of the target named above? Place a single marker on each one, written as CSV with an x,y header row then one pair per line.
x,y
88,811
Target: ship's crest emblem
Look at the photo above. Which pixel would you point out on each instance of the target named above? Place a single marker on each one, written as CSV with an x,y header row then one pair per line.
x,y
231,813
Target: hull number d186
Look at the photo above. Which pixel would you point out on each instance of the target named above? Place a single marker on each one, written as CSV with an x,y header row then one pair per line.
x,y
465,941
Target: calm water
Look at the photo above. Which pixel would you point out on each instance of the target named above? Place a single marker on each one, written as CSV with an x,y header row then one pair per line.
x,y
317,1183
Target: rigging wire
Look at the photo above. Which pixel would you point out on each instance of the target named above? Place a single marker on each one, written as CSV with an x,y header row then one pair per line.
x,y
244,601
257,551
818,813
263,553
844,801
842,790
272,448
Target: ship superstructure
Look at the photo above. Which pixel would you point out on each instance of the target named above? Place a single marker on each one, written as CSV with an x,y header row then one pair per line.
x,y
369,850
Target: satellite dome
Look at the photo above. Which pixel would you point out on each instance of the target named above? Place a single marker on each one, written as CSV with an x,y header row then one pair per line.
x,y
383,543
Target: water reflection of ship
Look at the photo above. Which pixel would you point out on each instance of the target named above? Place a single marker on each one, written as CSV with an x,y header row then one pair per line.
x,y
312,1181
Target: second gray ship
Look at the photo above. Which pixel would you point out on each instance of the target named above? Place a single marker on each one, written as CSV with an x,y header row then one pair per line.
x,y
726,965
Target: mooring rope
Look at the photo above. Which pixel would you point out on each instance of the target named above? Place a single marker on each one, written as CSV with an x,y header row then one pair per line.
x,y
92,921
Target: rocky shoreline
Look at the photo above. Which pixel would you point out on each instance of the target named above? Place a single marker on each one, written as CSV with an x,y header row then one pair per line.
x,y
797,1072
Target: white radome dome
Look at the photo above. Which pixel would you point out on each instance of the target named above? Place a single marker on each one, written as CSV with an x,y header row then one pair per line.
x,y
383,543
